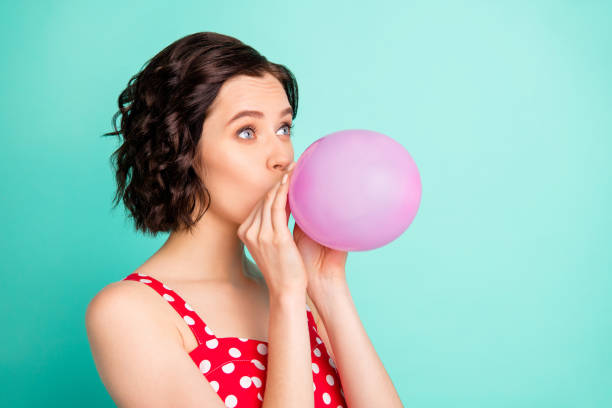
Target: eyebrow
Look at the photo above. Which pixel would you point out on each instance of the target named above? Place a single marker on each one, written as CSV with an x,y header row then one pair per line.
x,y
258,114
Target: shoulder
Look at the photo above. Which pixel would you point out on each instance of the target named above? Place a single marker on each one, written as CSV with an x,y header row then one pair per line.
x,y
133,347
126,303
122,295
109,299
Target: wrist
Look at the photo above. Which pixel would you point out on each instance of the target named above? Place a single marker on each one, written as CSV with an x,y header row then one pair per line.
x,y
327,296
324,288
289,296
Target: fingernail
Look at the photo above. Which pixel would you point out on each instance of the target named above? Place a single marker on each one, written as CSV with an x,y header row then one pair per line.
x,y
284,178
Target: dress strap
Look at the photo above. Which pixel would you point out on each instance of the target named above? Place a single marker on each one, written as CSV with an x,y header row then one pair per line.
x,y
200,330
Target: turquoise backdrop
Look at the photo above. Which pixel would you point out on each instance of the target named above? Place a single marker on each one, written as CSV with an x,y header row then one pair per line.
x,y
497,295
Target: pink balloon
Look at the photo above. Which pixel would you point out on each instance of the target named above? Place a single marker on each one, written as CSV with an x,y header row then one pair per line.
x,y
354,190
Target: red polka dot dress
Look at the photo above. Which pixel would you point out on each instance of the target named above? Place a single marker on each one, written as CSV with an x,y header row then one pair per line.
x,y
235,367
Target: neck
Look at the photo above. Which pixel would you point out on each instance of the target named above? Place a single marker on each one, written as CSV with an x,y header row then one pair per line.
x,y
211,252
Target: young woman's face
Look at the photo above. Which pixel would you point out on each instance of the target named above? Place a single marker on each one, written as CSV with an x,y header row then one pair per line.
x,y
243,158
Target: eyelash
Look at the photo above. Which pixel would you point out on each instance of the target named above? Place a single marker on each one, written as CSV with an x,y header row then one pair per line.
x,y
254,130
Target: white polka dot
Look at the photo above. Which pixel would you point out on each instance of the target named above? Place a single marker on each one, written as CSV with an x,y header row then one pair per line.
x,y
231,401
331,363
212,343
315,367
245,382
326,398
242,339
214,385
330,379
258,364
314,387
188,307
256,381
146,280
207,330
317,352
342,392
315,329
319,341
262,349
307,308
228,368
164,285
168,297
189,320
141,274
339,406
259,397
204,366
234,352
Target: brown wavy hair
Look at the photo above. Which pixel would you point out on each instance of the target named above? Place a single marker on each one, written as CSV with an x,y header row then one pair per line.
x,y
162,111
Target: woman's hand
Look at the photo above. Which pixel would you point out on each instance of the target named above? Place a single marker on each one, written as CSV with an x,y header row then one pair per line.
x,y
266,234
324,265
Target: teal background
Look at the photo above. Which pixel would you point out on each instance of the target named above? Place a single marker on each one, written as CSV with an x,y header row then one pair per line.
x,y
497,295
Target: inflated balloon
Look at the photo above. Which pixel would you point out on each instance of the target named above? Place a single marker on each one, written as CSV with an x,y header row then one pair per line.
x,y
354,190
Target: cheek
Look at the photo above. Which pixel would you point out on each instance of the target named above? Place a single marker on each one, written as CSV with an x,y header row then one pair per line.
x,y
234,192
236,179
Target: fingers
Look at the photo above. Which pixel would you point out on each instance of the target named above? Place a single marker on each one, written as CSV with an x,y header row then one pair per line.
x,y
266,230
271,210
246,224
280,212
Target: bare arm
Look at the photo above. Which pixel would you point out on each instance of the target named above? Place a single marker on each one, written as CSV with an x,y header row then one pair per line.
x,y
289,378
139,358
142,363
339,317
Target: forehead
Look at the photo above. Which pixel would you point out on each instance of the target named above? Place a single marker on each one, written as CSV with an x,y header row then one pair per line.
x,y
243,92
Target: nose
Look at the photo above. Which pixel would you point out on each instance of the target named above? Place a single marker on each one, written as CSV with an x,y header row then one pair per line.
x,y
286,165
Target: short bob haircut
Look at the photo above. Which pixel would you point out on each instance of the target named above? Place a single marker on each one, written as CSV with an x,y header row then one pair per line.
x,y
162,110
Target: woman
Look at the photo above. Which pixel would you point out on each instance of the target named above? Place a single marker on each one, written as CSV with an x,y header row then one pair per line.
x,y
206,154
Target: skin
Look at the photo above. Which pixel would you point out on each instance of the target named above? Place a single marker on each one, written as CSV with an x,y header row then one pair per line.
x,y
238,170
209,266
208,269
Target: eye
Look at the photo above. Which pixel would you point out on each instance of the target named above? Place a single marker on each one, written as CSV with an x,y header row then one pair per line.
x,y
289,126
